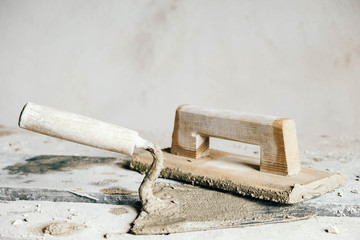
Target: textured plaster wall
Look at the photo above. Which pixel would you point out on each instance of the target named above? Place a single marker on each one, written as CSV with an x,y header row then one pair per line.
x,y
133,62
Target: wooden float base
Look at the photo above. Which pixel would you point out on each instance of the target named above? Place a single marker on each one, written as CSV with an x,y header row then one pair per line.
x,y
240,174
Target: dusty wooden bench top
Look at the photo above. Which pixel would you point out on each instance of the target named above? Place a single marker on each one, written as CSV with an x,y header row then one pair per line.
x,y
30,162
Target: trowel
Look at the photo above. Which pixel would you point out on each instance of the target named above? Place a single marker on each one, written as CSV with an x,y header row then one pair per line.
x,y
182,207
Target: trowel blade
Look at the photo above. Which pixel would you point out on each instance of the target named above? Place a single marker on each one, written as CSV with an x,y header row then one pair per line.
x,y
197,209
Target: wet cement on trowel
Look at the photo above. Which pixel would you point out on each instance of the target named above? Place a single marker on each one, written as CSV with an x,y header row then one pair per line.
x,y
180,208
193,208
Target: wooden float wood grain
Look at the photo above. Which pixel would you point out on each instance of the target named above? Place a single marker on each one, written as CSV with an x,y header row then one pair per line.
x,y
276,136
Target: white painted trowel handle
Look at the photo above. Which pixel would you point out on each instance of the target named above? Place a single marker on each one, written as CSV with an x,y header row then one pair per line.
x,y
80,129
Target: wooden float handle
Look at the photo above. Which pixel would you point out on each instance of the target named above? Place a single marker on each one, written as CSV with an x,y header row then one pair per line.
x,y
80,129
276,136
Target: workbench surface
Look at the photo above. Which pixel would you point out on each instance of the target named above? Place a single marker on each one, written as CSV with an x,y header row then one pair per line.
x,y
91,193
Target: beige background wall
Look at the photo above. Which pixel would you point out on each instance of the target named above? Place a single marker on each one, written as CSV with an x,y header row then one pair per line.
x,y
133,62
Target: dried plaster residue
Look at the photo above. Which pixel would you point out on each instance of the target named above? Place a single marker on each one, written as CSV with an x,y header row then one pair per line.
x,y
226,185
188,208
181,208
61,228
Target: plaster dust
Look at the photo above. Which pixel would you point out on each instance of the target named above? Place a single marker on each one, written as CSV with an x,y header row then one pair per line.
x,y
119,211
113,191
44,164
62,228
